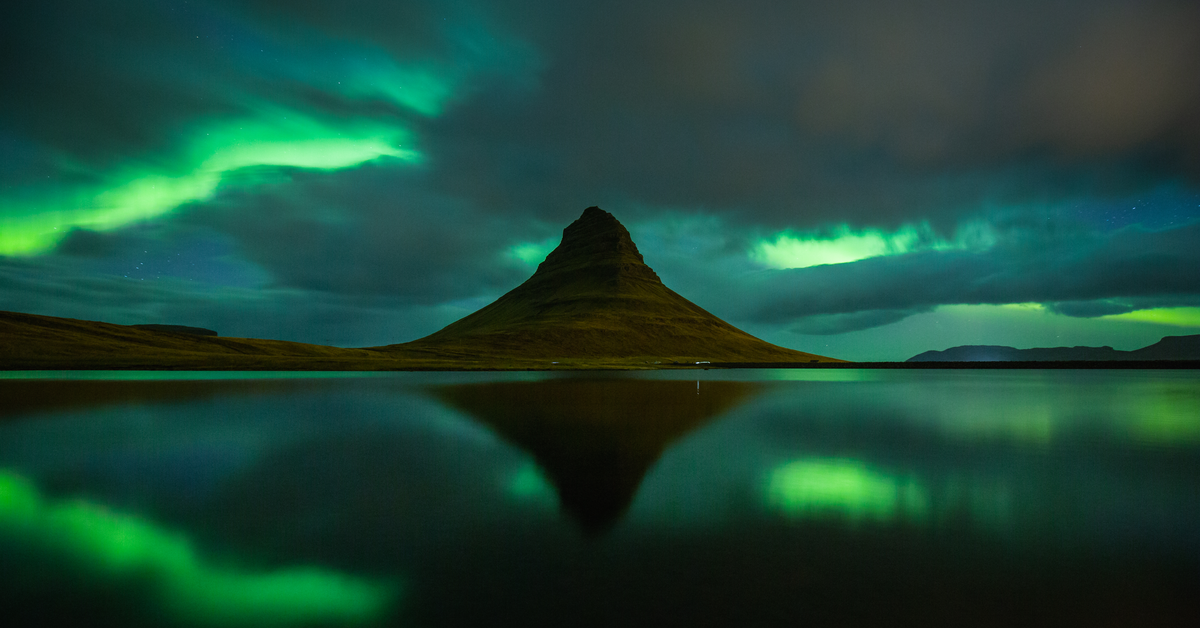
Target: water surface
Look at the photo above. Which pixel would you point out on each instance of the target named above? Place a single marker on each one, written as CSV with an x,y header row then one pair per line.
x,y
826,497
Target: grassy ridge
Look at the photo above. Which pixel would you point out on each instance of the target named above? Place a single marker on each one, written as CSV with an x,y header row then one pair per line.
x,y
35,342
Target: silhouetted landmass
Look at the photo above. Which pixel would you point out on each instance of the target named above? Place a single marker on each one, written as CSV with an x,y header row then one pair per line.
x,y
593,303
29,341
1169,348
1072,364
595,298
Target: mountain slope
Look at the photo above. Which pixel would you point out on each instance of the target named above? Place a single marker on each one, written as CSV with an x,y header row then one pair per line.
x,y
595,298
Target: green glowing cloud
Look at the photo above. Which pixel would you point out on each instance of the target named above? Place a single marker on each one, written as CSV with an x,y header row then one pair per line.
x,y
414,88
532,253
1173,316
116,546
843,244
824,486
276,138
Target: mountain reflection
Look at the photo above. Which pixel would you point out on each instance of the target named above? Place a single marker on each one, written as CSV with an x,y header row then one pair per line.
x,y
595,439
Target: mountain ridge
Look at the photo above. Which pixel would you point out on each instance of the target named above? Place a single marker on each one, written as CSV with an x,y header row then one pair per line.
x,y
1168,348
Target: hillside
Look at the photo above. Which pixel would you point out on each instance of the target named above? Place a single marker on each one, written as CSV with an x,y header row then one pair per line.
x,y
593,303
594,297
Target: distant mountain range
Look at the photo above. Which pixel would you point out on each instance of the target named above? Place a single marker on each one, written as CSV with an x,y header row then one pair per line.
x,y
1169,348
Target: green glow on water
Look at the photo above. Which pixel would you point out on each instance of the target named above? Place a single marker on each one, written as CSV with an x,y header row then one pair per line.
x,y
528,484
843,244
1023,421
823,375
108,544
276,138
825,486
1166,413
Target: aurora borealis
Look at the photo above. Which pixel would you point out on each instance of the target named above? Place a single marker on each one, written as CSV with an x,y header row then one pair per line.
x,y
866,180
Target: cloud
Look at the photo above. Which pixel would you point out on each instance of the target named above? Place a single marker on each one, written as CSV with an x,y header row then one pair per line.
x,y
831,324
371,231
1109,307
1129,263
261,141
806,114
62,286
148,108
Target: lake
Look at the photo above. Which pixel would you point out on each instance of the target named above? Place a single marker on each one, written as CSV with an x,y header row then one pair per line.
x,y
710,498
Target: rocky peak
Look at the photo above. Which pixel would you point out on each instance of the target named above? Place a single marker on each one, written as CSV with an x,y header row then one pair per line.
x,y
599,242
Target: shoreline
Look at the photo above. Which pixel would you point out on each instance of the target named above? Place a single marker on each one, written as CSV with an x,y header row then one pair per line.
x,y
318,365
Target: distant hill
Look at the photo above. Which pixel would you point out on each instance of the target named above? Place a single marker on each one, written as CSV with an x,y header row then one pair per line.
x,y
1169,348
31,342
595,298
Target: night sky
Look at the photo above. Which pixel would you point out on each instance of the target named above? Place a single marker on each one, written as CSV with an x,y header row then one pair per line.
x,y
864,180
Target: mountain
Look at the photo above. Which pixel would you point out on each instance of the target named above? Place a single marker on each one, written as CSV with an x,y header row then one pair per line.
x,y
593,303
594,298
1169,348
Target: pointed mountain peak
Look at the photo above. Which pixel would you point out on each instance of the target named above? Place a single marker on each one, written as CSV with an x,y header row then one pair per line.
x,y
594,297
597,237
595,213
596,240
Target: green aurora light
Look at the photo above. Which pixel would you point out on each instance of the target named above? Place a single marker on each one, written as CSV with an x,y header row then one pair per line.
x,y
1173,316
276,138
532,253
123,547
843,244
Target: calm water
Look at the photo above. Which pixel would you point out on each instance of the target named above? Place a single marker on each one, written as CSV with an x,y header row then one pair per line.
x,y
743,498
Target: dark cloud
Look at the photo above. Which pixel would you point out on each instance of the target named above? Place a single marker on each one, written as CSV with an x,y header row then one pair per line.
x,y
803,113
830,324
101,86
62,287
1107,307
370,231
1152,266
88,243
96,81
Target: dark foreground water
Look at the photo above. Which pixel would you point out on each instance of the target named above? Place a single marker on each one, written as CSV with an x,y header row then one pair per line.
x,y
747,498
